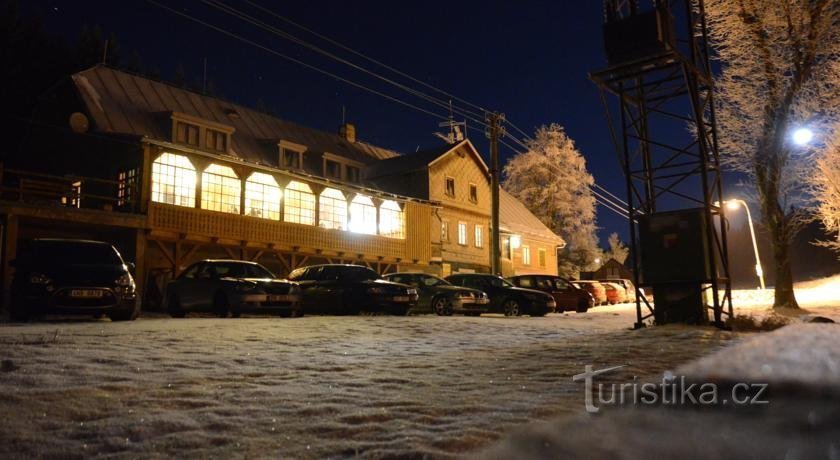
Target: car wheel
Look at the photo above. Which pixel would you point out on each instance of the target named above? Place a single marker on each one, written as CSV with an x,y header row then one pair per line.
x,y
129,314
442,306
511,308
583,306
221,306
174,307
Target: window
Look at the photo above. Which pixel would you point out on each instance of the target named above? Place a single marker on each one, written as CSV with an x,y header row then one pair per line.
x,y
450,187
353,175
186,133
444,230
391,220
363,215
525,282
526,255
541,257
220,189
474,193
332,169
126,187
215,140
299,204
479,236
333,209
262,196
173,180
462,233
290,159
506,249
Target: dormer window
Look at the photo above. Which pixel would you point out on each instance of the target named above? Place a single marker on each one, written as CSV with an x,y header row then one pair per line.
x,y
200,133
186,133
290,158
353,174
215,140
332,169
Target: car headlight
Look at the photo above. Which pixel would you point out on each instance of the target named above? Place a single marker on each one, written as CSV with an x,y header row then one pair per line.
x,y
38,278
412,292
375,290
465,295
125,280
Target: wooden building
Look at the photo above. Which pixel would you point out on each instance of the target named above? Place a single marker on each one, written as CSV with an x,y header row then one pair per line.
x,y
172,176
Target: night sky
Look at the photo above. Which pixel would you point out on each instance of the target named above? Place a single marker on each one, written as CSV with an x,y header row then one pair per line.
x,y
526,59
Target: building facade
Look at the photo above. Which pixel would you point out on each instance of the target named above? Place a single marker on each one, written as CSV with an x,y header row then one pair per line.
x,y
176,176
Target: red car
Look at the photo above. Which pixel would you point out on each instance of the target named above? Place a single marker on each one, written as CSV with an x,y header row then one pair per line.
x,y
598,291
615,293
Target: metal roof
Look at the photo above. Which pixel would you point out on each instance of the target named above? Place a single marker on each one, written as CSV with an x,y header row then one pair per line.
x,y
514,217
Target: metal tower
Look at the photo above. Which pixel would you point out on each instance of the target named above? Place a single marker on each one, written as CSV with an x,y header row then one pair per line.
x,y
664,129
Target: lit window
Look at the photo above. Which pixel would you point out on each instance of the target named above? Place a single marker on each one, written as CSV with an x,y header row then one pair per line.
x,y
353,175
299,204
262,196
215,140
462,233
220,189
332,209
444,230
450,186
473,193
126,187
541,257
290,159
479,236
186,133
332,169
363,215
526,255
173,180
391,220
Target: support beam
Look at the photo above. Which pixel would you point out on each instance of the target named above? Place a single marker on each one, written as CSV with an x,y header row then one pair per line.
x,y
10,239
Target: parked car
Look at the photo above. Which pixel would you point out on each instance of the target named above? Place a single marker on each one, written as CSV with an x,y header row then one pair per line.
x,y
230,287
67,276
615,293
349,289
436,295
595,288
504,296
567,296
629,288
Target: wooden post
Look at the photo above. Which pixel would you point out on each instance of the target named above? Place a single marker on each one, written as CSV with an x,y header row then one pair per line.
x,y
10,239
140,263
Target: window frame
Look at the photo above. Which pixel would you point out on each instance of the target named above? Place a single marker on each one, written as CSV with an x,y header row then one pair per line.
x,y
217,200
385,219
291,195
462,235
478,236
268,210
216,135
447,190
335,220
542,257
182,194
363,226
526,255
444,231
473,193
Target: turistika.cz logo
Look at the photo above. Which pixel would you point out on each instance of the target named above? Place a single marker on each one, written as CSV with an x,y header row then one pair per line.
x,y
673,390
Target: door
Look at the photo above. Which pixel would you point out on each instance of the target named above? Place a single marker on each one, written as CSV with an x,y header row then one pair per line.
x,y
196,292
566,296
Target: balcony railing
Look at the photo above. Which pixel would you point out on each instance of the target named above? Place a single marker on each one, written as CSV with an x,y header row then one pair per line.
x,y
68,191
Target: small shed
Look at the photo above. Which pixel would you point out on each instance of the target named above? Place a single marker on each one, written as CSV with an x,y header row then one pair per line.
x,y
612,269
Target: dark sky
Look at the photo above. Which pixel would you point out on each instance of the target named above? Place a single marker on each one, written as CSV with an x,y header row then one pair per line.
x,y
528,59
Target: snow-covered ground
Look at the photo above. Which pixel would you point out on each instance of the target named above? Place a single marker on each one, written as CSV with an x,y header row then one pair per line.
x,y
320,386
313,386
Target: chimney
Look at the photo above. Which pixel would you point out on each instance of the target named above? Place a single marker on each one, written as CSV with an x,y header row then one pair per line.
x,y
348,132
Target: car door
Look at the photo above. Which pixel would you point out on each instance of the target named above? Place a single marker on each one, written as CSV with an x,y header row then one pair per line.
x,y
563,292
308,279
483,284
424,290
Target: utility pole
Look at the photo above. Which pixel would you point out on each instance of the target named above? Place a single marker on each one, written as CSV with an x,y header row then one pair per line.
x,y
494,131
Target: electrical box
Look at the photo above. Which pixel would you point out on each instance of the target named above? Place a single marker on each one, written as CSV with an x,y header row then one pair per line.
x,y
639,36
673,247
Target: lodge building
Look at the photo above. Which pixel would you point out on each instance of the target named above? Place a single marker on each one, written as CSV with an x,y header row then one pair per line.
x,y
171,176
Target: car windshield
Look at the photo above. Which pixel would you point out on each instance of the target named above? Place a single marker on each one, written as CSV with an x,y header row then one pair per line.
x,y
72,252
239,270
359,274
433,281
500,282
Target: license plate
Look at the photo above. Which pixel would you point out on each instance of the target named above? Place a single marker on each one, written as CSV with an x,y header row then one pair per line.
x,y
482,301
279,298
401,298
87,293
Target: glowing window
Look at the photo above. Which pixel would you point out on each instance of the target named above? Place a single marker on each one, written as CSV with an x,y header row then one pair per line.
x,y
332,212
526,255
462,233
479,236
363,215
262,196
173,180
299,204
541,257
391,220
220,189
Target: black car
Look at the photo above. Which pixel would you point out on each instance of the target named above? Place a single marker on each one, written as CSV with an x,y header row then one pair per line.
x,y
504,296
350,289
231,287
437,295
66,276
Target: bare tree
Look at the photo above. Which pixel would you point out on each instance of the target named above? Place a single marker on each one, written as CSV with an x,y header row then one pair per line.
x,y
617,250
780,71
827,192
551,179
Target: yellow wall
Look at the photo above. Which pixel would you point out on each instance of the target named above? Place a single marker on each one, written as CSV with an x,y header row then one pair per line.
x,y
518,266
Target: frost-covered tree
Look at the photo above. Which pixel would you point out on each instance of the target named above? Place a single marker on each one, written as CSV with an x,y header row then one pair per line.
x,y
780,71
551,179
617,250
827,192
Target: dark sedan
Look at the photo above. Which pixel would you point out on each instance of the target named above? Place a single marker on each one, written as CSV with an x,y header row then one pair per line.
x,y
504,296
350,289
72,277
567,296
231,287
437,295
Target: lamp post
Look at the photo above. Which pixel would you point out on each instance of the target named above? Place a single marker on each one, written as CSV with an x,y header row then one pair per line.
x,y
733,205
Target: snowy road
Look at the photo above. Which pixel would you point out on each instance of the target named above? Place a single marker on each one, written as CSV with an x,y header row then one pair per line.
x,y
310,387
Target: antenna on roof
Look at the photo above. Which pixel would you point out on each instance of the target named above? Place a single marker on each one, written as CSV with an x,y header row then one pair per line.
x,y
456,129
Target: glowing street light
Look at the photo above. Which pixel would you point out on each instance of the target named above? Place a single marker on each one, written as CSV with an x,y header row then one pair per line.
x,y
733,205
802,136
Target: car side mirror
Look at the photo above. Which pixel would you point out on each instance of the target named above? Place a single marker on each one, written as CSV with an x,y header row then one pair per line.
x,y
131,267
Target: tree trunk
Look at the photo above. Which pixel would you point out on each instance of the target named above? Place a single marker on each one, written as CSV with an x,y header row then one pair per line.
x,y
784,295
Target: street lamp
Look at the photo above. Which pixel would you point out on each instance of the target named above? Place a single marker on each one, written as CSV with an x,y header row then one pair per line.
x,y
733,205
802,136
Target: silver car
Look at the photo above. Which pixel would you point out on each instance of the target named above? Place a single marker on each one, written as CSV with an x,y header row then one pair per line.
x,y
231,287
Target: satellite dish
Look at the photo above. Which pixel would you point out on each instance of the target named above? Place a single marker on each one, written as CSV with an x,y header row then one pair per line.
x,y
79,122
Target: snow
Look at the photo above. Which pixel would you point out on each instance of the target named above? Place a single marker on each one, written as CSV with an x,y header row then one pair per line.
x,y
314,386
817,297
